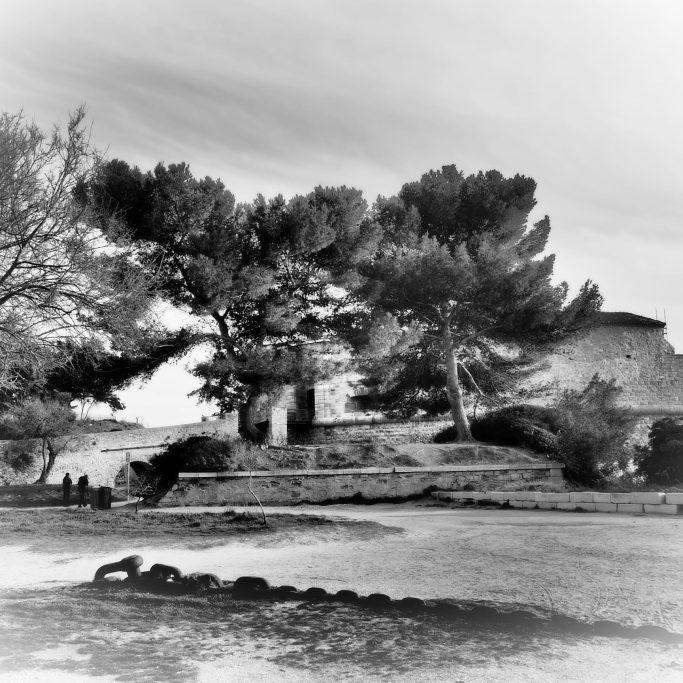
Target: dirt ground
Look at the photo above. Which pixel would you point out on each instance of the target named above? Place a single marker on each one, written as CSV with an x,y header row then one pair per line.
x,y
389,455
592,566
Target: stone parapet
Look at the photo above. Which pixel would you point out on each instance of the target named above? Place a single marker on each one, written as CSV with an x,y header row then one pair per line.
x,y
585,501
289,487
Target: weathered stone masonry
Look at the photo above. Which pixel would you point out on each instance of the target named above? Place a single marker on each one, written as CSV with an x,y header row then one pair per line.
x,y
631,349
289,487
101,456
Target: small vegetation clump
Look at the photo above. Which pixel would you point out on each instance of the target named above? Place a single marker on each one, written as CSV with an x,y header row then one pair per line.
x,y
593,434
661,460
524,426
201,454
584,430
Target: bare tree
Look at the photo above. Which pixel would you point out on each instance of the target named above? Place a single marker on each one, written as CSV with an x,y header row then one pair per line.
x,y
62,284
148,486
42,419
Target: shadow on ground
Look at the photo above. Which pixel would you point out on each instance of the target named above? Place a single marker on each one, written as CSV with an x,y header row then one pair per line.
x,y
89,631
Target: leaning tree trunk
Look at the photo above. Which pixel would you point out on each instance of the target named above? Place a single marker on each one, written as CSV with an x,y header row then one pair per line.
x,y
48,461
249,411
454,390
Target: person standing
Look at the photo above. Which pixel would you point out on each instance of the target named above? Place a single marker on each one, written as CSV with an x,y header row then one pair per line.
x,y
66,490
82,488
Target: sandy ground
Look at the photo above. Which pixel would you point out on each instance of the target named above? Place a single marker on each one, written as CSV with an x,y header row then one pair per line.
x,y
592,566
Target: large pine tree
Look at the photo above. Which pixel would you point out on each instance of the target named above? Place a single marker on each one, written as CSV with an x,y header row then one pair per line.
x,y
265,276
460,292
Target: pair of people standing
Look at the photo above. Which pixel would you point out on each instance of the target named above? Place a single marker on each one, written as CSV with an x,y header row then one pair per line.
x,y
82,489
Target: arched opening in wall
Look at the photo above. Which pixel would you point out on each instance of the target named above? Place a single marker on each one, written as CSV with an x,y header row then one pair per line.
x,y
137,469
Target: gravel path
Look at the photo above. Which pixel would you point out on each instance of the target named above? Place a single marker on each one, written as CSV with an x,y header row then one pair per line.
x,y
592,566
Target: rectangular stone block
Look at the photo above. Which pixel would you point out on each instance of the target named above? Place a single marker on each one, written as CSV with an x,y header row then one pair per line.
x,y
517,503
649,497
531,504
605,507
558,497
674,498
619,497
551,497
588,507
544,505
629,507
566,506
664,509
582,497
602,498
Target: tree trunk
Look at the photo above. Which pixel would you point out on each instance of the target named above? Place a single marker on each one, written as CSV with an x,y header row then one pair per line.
x,y
454,390
48,462
251,407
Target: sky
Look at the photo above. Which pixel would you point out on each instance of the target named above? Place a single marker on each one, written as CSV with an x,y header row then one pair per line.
x,y
276,97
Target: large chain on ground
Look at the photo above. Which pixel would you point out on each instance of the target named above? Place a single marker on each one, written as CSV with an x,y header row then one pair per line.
x,y
163,578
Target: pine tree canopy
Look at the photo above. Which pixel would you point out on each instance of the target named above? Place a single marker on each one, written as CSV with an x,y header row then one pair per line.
x,y
459,291
267,275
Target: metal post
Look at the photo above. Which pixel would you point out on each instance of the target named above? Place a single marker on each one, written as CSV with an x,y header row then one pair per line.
x,y
127,476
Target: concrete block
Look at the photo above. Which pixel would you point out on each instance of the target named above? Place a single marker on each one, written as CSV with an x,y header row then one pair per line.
x,y
517,503
566,506
629,507
602,498
674,498
558,497
619,497
463,495
544,505
498,495
649,497
663,509
530,495
582,497
588,507
529,504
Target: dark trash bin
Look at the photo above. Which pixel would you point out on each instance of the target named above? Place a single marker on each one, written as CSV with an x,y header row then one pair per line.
x,y
104,498
91,497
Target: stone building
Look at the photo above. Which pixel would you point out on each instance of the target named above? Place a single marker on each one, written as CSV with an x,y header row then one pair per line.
x,y
629,348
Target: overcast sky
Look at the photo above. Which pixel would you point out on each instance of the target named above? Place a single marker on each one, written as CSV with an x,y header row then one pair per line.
x,y
280,96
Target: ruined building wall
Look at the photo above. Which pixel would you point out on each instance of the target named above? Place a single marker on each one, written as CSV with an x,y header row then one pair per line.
x,y
639,358
103,454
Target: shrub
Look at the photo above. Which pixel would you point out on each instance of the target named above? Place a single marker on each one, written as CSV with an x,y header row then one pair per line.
x,y
199,454
446,435
524,426
584,430
593,433
661,461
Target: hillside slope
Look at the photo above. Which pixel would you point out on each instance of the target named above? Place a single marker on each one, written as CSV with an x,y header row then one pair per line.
x,y
337,456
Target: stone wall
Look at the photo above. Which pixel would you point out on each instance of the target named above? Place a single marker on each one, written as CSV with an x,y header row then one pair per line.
x,y
639,358
628,348
368,429
645,502
102,455
289,487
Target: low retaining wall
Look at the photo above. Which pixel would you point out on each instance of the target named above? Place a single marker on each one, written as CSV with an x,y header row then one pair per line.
x,y
289,487
587,501
101,455
367,429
